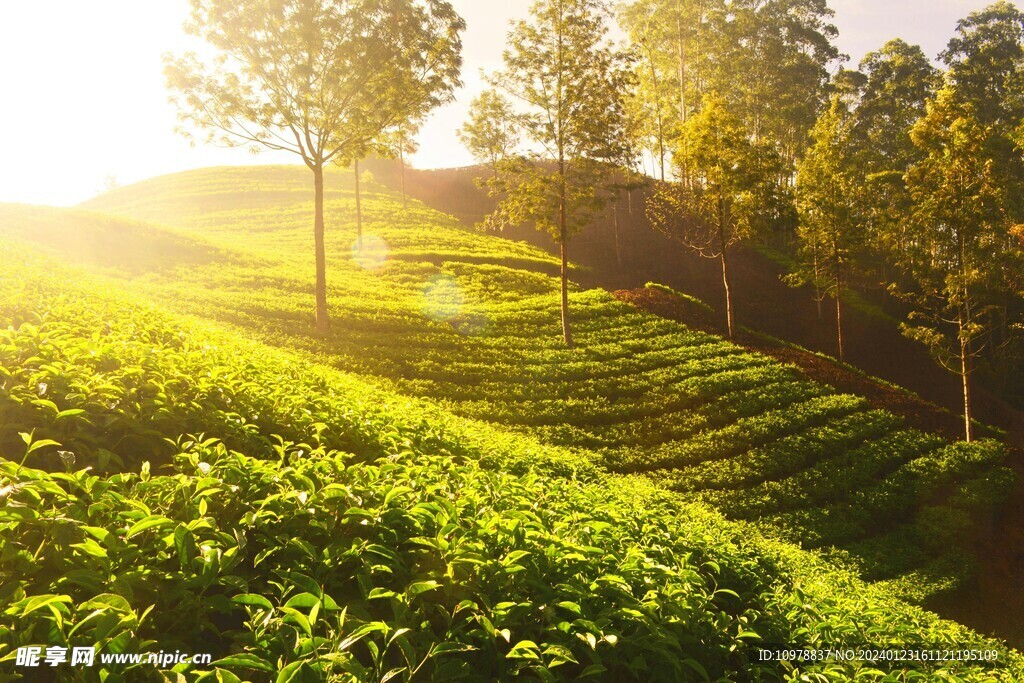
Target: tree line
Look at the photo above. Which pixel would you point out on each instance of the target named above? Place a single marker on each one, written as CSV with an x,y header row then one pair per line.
x,y
895,172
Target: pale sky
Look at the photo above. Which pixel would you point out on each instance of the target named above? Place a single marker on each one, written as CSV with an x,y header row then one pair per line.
x,y
82,93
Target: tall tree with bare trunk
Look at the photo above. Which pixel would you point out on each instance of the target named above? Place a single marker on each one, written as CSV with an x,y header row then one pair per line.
x,y
317,78
714,207
961,227
569,82
829,232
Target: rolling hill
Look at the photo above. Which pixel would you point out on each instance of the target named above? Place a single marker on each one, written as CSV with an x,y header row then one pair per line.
x,y
470,321
532,510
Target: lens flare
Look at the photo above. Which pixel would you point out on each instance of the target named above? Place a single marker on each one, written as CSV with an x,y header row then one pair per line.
x,y
371,254
443,299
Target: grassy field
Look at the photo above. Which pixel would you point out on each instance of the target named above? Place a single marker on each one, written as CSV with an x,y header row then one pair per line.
x,y
544,511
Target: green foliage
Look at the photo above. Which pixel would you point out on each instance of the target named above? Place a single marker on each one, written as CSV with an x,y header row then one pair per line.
x,y
464,320
560,68
414,566
985,63
830,231
955,259
491,133
470,321
826,182
723,181
569,82
417,554
898,80
318,79
691,48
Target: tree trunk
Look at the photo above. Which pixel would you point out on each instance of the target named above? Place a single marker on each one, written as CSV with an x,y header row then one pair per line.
x,y
563,229
818,296
728,295
661,149
323,323
615,226
401,162
839,302
839,321
359,210
723,245
660,117
566,330
965,375
682,71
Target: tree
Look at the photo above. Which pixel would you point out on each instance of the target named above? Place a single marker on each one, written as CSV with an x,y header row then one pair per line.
x,y
985,61
492,131
898,82
986,72
570,83
828,230
671,39
773,66
960,228
316,78
401,142
719,209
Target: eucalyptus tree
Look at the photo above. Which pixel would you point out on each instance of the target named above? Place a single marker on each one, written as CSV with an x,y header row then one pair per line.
x,y
898,82
672,39
317,78
986,63
985,60
773,62
718,208
829,231
400,141
960,229
568,82
492,131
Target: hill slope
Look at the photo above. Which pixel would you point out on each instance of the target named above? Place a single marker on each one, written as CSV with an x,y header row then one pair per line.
x,y
623,250
471,321
324,529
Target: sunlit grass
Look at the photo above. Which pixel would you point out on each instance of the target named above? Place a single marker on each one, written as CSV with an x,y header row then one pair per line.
x,y
472,323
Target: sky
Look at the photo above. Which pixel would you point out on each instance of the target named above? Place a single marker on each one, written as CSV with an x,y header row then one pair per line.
x,y
83,102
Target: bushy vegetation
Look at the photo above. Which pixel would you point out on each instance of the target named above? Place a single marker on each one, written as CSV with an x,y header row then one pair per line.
x,y
168,484
472,322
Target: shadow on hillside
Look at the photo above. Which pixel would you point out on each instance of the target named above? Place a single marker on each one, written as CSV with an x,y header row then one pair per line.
x,y
125,246
623,252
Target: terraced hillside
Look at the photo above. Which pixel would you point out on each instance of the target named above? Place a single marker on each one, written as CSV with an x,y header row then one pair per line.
x,y
471,321
170,485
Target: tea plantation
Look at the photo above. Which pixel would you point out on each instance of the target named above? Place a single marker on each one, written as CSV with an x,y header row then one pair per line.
x,y
188,467
471,322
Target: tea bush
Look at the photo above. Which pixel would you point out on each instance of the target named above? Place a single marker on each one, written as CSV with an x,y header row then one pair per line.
x,y
469,322
171,485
